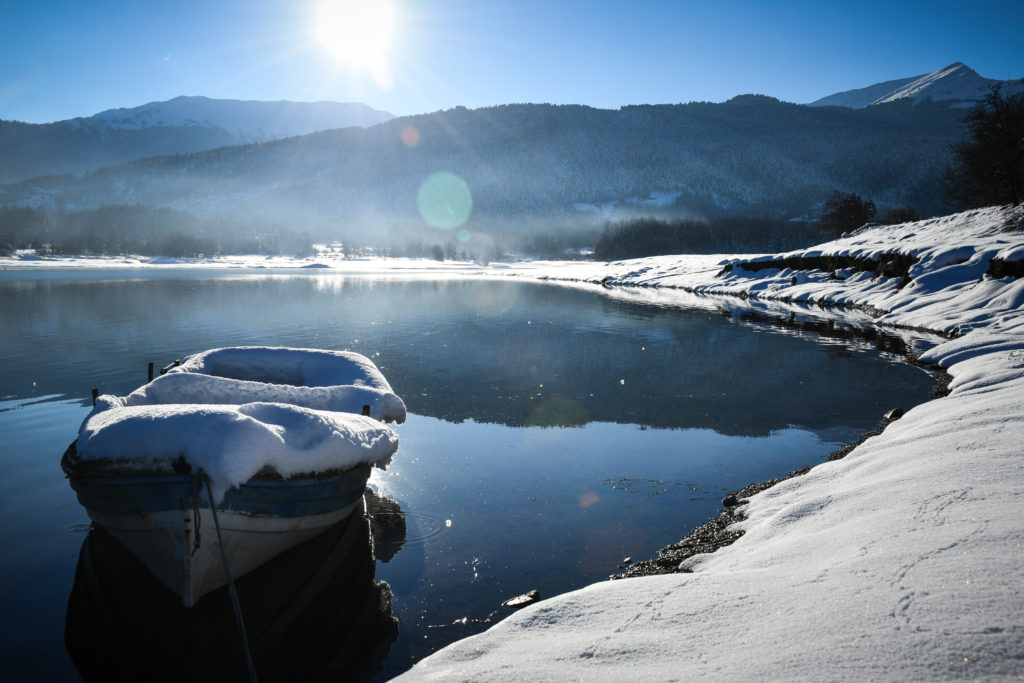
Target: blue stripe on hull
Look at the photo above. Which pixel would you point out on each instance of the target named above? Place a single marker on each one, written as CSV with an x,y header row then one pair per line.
x,y
144,495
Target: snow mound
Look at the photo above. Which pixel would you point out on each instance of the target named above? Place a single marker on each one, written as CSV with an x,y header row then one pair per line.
x,y
231,443
324,380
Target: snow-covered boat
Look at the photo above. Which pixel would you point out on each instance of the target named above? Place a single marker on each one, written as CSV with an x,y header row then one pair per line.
x,y
279,441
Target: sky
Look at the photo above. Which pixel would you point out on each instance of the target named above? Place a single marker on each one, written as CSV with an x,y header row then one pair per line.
x,y
66,58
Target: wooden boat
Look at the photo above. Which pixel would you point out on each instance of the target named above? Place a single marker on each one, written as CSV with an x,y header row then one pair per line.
x,y
145,477
164,517
312,613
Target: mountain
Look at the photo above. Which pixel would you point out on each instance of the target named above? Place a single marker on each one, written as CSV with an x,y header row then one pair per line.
x,y
180,125
544,166
245,120
957,85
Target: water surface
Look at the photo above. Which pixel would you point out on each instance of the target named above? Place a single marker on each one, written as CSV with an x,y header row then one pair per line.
x,y
553,432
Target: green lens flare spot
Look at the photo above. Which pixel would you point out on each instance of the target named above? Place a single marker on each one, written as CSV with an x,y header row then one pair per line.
x,y
444,200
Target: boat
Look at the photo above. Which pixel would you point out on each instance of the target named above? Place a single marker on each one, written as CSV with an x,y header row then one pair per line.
x,y
313,612
232,457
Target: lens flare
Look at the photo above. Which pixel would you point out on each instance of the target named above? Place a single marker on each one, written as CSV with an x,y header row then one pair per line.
x,y
558,412
588,499
445,201
410,136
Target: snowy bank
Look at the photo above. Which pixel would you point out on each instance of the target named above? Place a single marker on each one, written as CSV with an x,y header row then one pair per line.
x,y
26,260
901,561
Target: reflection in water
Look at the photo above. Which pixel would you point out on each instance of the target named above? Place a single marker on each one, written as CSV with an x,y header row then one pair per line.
x,y
313,612
387,524
512,353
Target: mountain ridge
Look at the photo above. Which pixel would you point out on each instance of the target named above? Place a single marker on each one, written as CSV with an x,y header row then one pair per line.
x,y
534,163
266,120
183,124
957,85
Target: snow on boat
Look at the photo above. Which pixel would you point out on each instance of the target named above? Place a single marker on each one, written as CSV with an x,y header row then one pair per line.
x,y
326,380
281,441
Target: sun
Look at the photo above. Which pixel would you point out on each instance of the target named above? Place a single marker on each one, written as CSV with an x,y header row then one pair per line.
x,y
356,32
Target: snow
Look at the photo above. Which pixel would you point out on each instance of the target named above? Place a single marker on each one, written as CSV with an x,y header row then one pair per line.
x,y
233,411
231,443
326,380
28,260
247,121
862,97
900,561
957,83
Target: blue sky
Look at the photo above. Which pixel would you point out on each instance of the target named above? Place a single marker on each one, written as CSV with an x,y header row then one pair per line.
x,y
69,58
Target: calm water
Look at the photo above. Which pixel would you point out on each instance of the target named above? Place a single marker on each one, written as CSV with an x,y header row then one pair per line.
x,y
553,432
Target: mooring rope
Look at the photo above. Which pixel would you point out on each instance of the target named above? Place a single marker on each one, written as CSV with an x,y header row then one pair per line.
x,y
196,521
231,585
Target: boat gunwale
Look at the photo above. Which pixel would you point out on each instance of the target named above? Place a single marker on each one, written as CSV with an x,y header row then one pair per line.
x,y
166,470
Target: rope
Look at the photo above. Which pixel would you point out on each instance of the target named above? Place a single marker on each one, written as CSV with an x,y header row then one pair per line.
x,y
196,521
231,587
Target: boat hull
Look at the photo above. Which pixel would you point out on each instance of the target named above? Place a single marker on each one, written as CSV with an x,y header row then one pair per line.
x,y
165,520
311,613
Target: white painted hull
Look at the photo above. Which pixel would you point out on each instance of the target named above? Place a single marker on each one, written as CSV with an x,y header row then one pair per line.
x,y
165,543
164,519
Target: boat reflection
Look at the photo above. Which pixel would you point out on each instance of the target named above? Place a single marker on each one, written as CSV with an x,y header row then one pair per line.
x,y
387,524
313,612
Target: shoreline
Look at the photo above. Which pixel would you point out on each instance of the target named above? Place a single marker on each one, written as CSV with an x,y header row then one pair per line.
x,y
715,533
895,562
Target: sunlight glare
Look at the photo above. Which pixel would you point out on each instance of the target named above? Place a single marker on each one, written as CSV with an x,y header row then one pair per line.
x,y
356,32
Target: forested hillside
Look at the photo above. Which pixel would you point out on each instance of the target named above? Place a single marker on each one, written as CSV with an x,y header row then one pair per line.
x,y
544,168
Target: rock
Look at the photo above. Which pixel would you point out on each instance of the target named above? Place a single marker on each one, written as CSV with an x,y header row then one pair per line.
x,y
894,414
523,600
730,501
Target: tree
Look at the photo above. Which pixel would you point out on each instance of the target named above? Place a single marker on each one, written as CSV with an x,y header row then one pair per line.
x,y
901,214
989,163
844,212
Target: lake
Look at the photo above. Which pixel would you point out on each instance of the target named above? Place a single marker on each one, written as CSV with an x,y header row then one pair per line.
x,y
553,431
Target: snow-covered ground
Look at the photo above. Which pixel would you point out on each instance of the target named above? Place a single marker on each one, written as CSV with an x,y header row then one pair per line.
x,y
901,561
26,259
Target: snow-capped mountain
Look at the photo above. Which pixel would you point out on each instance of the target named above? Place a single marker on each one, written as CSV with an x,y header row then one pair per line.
x,y
178,126
245,120
957,84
